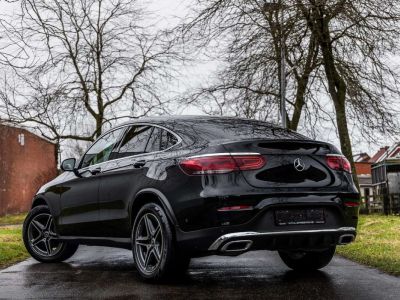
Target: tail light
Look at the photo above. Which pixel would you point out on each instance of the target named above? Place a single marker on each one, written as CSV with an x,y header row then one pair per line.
x,y
338,162
221,163
351,204
351,200
235,208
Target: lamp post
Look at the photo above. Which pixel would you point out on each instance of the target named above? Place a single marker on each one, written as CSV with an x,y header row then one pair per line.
x,y
279,6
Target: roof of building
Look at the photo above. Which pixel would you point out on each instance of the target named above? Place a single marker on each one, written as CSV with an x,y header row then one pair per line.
x,y
25,128
392,152
361,157
379,154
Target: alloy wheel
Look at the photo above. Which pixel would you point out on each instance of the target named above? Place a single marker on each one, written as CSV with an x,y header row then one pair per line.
x,y
149,243
42,237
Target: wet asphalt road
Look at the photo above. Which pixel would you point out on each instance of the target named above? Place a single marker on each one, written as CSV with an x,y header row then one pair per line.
x,y
97,272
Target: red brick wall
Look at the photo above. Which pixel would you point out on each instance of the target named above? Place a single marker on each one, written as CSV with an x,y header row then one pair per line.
x,y
363,168
23,169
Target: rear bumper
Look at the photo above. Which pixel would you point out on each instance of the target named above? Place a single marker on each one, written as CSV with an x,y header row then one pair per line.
x,y
234,242
259,229
240,242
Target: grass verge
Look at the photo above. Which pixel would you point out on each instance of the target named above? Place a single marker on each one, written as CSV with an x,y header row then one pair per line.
x,y
12,249
12,219
377,244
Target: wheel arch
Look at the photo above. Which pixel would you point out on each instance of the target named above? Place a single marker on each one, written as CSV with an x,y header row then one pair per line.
x,y
151,195
39,201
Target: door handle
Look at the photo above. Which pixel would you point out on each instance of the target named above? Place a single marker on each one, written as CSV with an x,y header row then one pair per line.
x,y
95,171
139,164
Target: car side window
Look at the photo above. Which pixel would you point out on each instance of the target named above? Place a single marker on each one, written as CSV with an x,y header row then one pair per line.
x,y
160,140
135,141
102,148
154,142
167,140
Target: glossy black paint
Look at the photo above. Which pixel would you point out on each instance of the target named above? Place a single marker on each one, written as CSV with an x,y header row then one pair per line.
x,y
97,204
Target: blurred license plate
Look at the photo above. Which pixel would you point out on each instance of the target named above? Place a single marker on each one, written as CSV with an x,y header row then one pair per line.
x,y
299,216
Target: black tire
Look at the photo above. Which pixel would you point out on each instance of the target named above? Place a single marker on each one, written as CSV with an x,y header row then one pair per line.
x,y
307,261
164,260
59,251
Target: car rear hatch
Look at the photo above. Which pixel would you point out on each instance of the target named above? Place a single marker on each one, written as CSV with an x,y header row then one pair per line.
x,y
290,164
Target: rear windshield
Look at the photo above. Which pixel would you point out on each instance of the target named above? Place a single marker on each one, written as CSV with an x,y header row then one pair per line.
x,y
241,129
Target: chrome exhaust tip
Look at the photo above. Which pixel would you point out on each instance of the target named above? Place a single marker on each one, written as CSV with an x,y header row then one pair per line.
x,y
346,239
237,246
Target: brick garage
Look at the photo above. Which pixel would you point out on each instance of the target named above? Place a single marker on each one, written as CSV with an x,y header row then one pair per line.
x,y
26,162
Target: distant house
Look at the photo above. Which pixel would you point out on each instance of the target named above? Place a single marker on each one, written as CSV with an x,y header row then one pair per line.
x,y
367,177
386,171
26,162
364,166
362,162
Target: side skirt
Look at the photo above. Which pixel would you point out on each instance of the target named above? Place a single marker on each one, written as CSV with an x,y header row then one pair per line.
x,y
124,243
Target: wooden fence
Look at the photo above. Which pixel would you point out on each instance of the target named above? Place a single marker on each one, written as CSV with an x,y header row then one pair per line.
x,y
388,204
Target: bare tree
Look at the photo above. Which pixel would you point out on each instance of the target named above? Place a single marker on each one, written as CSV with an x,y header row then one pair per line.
x,y
80,65
339,49
355,38
251,32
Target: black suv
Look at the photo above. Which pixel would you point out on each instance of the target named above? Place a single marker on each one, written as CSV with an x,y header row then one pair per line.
x,y
178,187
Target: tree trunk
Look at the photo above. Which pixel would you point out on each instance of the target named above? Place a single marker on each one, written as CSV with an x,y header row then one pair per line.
x,y
344,136
57,151
99,125
298,105
336,85
302,82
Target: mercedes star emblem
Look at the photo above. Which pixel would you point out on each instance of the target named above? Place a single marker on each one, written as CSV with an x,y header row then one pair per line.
x,y
299,164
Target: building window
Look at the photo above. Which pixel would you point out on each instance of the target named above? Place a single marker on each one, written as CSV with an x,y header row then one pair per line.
x,y
21,139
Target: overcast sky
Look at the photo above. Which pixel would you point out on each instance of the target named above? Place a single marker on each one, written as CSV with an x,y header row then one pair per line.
x,y
169,12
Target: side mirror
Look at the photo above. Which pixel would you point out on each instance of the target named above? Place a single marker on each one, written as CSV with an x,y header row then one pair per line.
x,y
68,164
